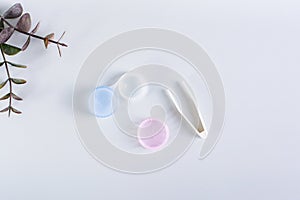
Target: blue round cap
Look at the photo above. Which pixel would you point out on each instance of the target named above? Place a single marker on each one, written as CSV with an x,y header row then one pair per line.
x,y
103,102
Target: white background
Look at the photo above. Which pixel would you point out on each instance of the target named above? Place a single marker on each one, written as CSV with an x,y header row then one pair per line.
x,y
255,46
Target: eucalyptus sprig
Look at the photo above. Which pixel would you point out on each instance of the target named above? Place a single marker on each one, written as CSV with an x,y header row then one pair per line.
x,y
7,29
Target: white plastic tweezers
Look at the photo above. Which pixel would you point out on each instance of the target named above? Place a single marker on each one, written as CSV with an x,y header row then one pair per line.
x,y
200,128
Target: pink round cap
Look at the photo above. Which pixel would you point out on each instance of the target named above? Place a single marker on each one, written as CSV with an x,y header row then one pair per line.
x,y
152,133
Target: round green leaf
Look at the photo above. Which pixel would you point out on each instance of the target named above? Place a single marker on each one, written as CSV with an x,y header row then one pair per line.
x,y
10,50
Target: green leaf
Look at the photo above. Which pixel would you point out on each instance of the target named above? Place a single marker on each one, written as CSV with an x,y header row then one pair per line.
x,y
18,81
4,110
15,110
17,65
5,96
10,50
3,84
16,97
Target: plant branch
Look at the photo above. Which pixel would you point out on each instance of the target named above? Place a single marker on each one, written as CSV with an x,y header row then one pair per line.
x,y
7,30
31,34
9,80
